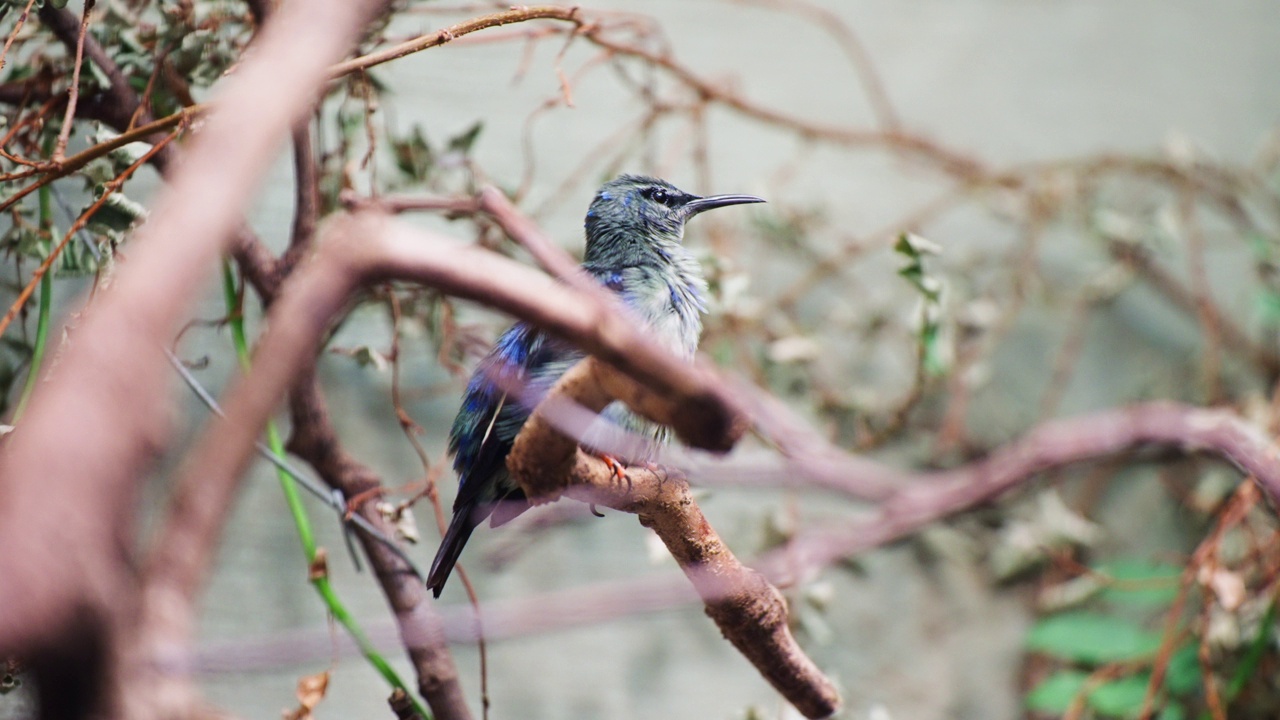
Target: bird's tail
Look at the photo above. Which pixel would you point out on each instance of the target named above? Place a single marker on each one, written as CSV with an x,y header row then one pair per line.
x,y
465,520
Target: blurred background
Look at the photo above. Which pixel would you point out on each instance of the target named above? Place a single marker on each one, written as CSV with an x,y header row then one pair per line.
x,y
1095,186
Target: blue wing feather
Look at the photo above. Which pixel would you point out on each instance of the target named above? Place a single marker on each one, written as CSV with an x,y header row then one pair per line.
x,y
485,428
491,417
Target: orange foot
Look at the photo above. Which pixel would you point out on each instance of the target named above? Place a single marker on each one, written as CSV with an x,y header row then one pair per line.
x,y
615,467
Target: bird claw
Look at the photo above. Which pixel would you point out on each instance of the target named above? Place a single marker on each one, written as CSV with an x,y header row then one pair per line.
x,y
618,469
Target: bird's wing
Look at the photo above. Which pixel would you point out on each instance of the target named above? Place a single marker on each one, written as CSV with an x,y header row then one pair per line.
x,y
493,412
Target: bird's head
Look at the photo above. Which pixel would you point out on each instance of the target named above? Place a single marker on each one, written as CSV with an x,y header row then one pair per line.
x,y
635,206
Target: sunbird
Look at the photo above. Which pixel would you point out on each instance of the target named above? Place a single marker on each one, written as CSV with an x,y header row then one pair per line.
x,y
635,234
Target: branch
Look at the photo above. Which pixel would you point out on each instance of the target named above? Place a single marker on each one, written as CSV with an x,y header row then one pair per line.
x,y
104,392
440,37
306,205
947,160
748,610
73,92
932,496
364,248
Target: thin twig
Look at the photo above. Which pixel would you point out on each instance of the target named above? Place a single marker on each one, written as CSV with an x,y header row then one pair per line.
x,y
17,28
440,37
73,93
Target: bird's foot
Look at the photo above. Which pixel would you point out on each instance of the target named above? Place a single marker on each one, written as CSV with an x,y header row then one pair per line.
x,y
618,469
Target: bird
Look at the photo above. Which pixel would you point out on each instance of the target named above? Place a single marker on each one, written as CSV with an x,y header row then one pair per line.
x,y
634,247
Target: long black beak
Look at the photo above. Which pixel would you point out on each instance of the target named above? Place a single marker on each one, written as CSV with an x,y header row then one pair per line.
x,y
697,205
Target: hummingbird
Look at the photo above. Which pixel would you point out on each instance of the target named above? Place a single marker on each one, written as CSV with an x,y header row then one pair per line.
x,y
634,247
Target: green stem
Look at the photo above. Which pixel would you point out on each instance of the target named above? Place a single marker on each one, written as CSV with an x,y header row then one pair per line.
x,y
46,302
293,497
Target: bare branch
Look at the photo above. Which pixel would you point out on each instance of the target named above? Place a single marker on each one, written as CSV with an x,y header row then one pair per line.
x,y
748,610
1058,444
440,37
306,208
105,393
60,148
17,28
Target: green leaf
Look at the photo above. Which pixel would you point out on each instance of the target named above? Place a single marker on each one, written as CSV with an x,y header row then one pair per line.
x,y
118,213
414,158
1172,711
1182,677
463,141
1269,306
1055,694
1121,698
1091,638
1139,582
935,353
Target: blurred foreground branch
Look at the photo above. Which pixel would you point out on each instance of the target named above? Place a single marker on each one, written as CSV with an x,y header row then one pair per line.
x,y
98,646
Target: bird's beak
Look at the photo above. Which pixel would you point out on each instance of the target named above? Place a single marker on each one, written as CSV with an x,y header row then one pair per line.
x,y
697,205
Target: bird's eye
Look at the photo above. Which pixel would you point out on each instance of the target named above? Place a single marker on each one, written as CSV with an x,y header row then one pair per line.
x,y
657,194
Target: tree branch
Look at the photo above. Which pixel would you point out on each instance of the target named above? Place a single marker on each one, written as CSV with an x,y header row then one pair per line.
x,y
931,496
104,391
748,610
514,15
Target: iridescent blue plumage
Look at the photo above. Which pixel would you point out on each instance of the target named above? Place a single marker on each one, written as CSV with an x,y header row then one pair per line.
x,y
635,232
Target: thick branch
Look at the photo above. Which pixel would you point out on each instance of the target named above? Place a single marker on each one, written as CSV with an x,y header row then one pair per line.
x,y
367,248
748,610
104,392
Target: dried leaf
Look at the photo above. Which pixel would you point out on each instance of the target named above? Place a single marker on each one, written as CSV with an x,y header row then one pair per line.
x,y
405,524
319,568
310,691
